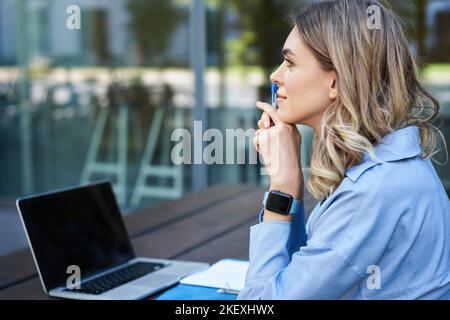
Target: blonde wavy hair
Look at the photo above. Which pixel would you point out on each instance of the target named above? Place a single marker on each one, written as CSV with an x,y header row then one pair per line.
x,y
378,87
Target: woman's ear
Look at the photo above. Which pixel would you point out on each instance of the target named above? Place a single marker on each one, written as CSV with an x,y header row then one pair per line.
x,y
332,90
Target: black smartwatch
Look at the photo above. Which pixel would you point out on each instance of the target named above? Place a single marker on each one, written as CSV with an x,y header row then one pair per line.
x,y
279,202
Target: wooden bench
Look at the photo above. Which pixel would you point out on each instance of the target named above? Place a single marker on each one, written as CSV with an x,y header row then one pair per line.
x,y
206,226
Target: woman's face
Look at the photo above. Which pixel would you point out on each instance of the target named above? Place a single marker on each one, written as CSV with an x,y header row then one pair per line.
x,y
305,90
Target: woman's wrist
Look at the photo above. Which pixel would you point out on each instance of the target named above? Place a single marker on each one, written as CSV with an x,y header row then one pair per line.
x,y
292,185
273,216
293,189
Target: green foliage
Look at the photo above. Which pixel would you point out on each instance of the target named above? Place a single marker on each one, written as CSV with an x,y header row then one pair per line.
x,y
152,24
266,28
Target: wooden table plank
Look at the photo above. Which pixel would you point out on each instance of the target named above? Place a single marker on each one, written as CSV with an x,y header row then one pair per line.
x,y
148,219
203,230
16,267
233,244
199,229
27,289
19,266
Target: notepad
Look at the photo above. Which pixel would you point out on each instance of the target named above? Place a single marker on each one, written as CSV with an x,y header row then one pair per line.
x,y
225,274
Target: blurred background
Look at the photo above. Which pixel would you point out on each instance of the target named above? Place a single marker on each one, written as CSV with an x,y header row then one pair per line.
x,y
101,102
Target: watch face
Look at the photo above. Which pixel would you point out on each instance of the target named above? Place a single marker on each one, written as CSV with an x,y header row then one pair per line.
x,y
279,202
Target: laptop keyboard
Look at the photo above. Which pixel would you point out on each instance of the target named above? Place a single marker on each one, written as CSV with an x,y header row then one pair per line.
x,y
117,278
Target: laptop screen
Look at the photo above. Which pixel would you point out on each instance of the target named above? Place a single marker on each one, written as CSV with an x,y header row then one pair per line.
x,y
81,227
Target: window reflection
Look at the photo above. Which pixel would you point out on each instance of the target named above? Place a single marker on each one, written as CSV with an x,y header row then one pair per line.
x,y
102,102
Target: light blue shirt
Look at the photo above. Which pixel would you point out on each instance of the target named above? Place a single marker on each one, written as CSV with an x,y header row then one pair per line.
x,y
383,234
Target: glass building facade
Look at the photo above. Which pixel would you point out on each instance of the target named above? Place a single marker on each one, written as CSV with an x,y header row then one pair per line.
x,y
102,99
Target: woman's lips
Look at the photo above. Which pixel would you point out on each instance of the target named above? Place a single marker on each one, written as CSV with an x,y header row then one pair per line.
x,y
280,98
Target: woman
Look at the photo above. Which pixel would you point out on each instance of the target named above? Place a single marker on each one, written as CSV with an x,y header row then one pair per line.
x,y
382,227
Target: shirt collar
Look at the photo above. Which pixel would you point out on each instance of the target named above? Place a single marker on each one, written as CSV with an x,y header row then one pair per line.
x,y
401,144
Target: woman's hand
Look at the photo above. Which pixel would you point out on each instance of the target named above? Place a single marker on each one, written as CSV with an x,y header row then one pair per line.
x,y
279,145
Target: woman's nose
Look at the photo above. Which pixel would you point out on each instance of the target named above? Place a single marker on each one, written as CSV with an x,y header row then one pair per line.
x,y
276,77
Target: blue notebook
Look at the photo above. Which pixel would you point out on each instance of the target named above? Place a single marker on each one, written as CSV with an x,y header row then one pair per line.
x,y
188,292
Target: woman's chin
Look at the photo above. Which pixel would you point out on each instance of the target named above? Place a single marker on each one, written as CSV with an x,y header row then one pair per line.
x,y
289,119
285,116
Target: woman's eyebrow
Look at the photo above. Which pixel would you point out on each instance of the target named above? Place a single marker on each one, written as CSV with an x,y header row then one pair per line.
x,y
288,51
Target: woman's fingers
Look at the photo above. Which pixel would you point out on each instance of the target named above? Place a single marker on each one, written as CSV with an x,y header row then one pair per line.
x,y
264,122
256,138
260,124
265,119
270,111
255,143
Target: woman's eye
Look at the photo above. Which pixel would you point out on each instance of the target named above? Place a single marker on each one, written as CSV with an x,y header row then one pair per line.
x,y
289,63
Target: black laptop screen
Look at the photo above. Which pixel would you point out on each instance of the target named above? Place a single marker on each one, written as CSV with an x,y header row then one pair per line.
x,y
81,227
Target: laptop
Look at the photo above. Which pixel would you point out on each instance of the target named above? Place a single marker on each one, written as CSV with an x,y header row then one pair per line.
x,y
82,250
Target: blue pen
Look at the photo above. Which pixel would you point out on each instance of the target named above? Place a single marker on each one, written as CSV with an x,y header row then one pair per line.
x,y
274,95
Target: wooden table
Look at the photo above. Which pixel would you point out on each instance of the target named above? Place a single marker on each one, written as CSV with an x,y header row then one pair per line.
x,y
206,226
